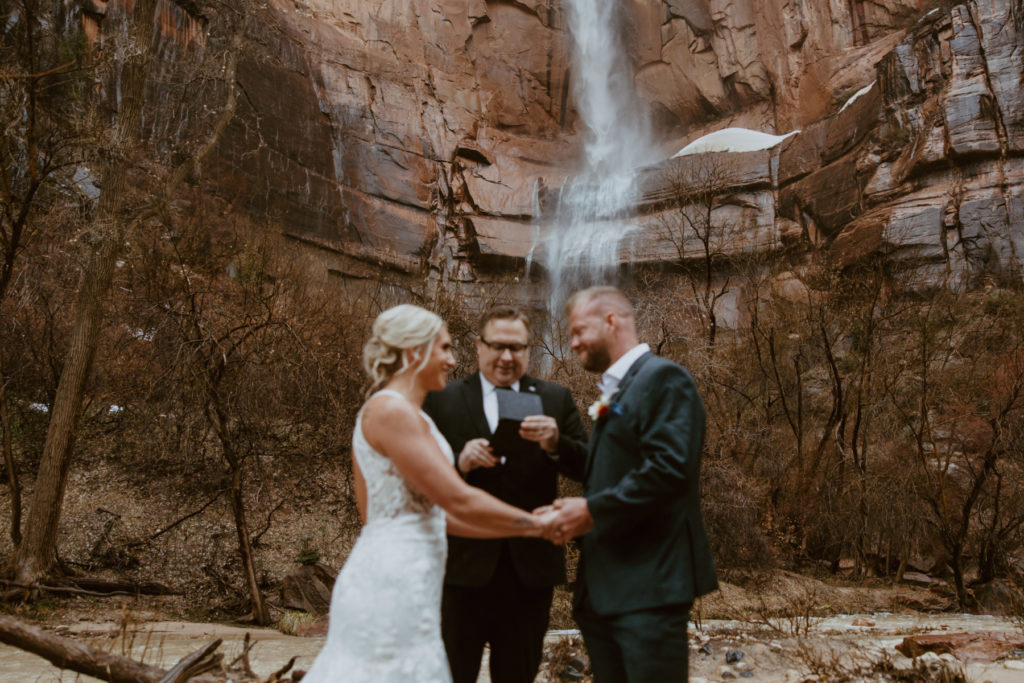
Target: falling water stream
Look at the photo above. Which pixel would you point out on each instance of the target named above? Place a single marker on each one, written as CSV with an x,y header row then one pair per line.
x,y
580,244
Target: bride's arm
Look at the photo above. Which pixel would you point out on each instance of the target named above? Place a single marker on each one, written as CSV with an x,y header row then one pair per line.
x,y
394,428
468,529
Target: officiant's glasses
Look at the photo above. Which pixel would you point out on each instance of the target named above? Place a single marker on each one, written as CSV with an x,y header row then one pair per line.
x,y
499,347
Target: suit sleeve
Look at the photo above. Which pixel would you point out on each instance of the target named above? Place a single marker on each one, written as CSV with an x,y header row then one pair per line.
x,y
670,428
571,456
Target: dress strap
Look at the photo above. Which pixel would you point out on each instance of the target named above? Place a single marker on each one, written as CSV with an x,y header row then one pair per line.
x,y
388,391
400,395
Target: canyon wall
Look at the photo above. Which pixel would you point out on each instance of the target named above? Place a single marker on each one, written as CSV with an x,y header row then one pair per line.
x,y
417,135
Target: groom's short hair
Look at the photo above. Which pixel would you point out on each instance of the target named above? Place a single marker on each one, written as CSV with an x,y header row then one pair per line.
x,y
612,298
504,312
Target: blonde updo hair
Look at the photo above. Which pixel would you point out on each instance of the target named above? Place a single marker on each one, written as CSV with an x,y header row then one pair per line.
x,y
396,331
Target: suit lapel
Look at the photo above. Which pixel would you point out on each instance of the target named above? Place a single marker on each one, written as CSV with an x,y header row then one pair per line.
x,y
529,385
595,434
473,395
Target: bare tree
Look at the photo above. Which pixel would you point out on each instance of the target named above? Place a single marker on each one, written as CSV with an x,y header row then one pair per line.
x,y
39,144
115,216
959,399
702,231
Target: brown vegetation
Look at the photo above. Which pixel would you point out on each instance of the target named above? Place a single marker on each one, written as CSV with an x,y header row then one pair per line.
x,y
160,345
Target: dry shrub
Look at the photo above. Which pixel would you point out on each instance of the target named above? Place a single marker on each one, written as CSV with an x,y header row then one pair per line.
x,y
291,621
732,502
780,608
837,663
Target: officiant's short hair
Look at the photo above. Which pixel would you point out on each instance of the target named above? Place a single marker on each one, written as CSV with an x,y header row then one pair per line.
x,y
504,312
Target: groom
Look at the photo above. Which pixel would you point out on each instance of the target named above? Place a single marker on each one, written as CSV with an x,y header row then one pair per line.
x,y
645,556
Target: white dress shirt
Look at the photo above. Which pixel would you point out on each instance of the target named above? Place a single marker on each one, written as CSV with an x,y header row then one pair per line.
x,y
491,401
616,371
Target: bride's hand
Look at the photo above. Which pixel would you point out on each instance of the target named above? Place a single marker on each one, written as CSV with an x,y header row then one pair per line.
x,y
544,517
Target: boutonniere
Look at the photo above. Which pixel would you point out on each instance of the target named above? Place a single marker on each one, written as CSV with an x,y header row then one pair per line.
x,y
603,407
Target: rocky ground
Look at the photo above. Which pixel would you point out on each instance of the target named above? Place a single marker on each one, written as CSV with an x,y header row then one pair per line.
x,y
787,629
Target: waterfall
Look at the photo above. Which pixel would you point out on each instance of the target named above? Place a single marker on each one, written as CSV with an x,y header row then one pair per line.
x,y
580,242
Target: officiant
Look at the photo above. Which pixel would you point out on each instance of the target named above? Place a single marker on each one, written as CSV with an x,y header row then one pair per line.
x,y
512,435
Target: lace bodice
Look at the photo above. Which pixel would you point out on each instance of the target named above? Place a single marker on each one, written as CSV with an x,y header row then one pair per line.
x,y
389,497
385,619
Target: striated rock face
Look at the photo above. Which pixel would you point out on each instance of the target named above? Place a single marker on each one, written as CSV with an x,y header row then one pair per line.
x,y
417,134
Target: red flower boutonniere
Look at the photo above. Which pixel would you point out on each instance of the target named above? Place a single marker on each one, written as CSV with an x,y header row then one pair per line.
x,y
602,407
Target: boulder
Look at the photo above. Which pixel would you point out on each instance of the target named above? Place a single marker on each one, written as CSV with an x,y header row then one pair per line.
x,y
308,589
980,646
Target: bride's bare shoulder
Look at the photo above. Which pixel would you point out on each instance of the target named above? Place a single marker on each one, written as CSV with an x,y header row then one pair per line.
x,y
389,411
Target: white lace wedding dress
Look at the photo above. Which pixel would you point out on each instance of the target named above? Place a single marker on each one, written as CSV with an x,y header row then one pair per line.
x,y
385,618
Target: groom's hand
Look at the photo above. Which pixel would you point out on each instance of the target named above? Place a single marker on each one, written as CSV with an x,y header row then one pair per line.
x,y
573,520
541,429
476,453
545,517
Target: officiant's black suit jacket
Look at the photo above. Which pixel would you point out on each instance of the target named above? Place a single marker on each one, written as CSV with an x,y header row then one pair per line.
x,y
528,479
648,548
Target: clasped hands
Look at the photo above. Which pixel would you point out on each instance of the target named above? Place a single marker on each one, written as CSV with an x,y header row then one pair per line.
x,y
564,519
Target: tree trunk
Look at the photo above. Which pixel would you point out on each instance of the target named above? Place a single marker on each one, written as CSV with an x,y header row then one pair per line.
x,y
259,606
37,554
12,472
219,422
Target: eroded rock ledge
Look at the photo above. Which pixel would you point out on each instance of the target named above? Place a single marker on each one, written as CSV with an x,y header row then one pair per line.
x,y
416,135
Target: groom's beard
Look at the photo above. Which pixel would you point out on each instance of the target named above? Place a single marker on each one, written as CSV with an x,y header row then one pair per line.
x,y
596,359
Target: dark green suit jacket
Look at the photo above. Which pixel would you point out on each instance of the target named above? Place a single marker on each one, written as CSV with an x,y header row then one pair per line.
x,y
648,548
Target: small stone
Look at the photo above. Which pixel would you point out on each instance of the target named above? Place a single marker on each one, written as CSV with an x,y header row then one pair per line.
x,y
860,621
570,673
705,649
579,662
746,674
733,656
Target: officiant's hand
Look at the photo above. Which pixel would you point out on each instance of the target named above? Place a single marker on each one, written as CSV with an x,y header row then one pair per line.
x,y
541,429
476,453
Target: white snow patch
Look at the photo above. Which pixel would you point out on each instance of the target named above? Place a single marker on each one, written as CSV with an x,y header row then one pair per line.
x,y
39,407
733,140
114,410
139,333
863,91
86,182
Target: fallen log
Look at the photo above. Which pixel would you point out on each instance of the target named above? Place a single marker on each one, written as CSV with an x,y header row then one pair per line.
x,y
194,664
69,585
133,587
75,656
72,655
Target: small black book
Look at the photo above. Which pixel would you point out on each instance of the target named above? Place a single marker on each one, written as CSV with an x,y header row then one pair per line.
x,y
513,407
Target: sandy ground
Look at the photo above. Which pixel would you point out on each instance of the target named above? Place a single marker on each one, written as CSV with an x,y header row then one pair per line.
x,y
767,655
787,628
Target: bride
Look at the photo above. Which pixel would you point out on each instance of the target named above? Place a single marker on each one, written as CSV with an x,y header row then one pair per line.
x,y
385,616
